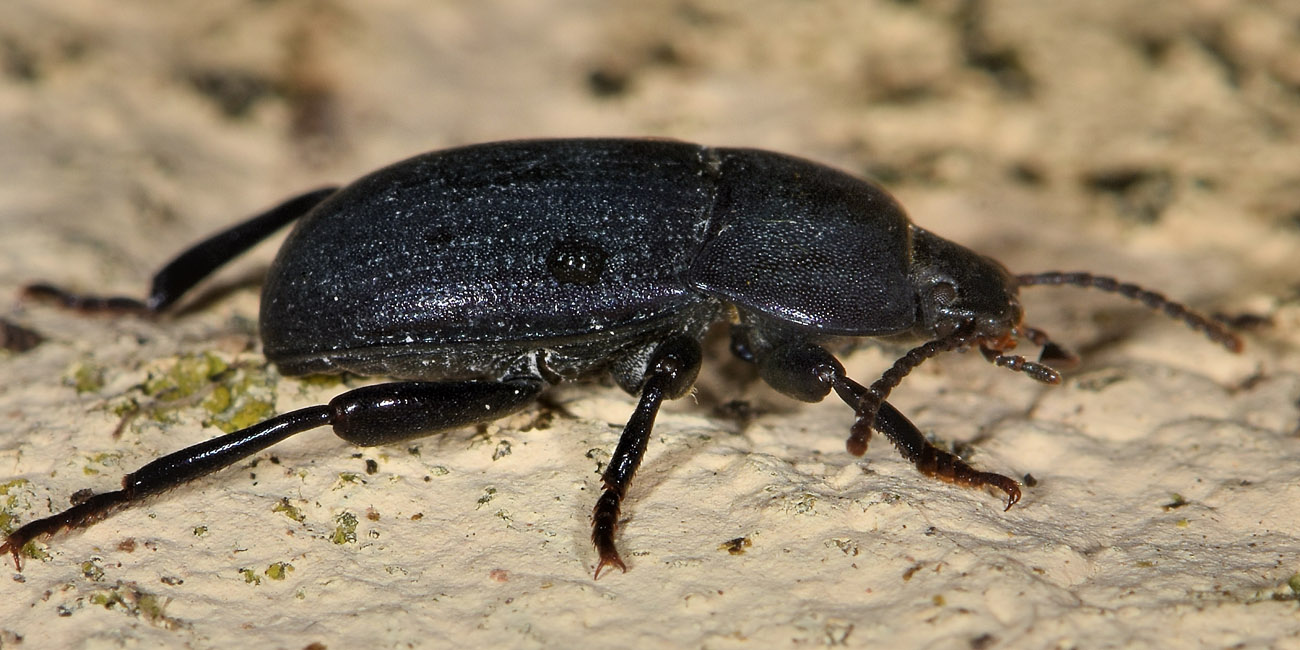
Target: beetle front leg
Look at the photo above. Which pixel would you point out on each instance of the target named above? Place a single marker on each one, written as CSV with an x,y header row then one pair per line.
x,y
670,374
367,416
191,266
808,372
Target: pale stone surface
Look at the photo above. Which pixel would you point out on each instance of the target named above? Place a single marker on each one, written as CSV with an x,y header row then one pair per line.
x,y
1166,510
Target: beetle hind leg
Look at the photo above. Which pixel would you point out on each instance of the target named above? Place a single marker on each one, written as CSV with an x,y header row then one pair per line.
x,y
191,266
366,416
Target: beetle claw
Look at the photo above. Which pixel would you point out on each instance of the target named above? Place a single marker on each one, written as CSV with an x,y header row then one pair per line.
x,y
13,549
860,433
611,560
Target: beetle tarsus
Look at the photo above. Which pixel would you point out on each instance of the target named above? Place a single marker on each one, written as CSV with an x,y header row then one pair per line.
x,y
84,303
83,514
935,462
809,372
860,435
604,523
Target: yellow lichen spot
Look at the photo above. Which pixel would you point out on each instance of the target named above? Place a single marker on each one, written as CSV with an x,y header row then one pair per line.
x,y
10,501
92,571
9,485
278,571
107,599
348,478
150,607
289,510
345,529
105,460
241,400
84,377
31,550
319,381
190,373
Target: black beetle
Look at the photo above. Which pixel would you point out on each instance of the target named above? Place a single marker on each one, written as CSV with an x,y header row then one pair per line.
x,y
477,276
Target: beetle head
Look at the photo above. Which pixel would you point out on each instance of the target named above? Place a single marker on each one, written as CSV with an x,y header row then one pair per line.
x,y
965,299
958,290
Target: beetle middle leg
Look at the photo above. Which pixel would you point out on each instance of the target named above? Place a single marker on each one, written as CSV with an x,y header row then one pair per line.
x,y
809,373
669,375
366,416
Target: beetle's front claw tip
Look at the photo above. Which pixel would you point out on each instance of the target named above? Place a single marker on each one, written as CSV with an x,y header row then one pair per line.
x,y
1012,499
856,447
14,550
1013,493
1234,344
859,436
1007,485
611,560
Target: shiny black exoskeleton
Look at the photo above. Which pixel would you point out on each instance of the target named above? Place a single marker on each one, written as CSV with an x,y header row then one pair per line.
x,y
477,276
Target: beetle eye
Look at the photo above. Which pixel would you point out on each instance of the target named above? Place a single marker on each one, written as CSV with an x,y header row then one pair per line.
x,y
943,293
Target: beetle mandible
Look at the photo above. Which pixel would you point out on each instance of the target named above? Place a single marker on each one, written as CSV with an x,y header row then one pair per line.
x,y
477,276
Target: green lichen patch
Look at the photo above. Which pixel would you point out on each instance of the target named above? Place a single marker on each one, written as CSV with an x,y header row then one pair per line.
x,y
130,599
278,570
185,377
289,510
348,478
234,396
1175,501
307,383
244,400
9,504
108,461
345,529
8,486
92,571
84,377
32,550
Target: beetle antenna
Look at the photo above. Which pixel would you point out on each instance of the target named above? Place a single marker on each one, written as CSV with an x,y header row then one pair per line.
x,y
870,403
1036,371
1215,330
879,391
